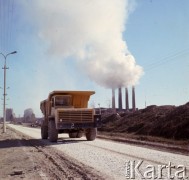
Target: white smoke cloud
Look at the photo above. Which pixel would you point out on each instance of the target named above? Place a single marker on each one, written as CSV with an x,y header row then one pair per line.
x,y
91,31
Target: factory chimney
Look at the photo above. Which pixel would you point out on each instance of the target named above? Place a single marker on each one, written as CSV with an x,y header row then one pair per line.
x,y
113,99
120,99
133,98
126,99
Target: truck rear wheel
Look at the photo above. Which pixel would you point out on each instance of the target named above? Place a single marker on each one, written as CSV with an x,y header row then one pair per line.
x,y
53,132
73,134
91,134
79,134
76,134
44,132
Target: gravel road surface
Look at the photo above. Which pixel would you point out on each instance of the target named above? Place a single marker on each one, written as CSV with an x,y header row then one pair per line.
x,y
111,159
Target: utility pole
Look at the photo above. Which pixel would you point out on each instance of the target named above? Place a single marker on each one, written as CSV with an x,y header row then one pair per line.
x,y
4,94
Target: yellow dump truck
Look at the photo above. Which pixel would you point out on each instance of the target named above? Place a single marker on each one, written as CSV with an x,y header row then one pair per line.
x,y
68,112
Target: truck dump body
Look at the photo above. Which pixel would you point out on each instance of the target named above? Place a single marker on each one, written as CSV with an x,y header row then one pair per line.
x,y
79,99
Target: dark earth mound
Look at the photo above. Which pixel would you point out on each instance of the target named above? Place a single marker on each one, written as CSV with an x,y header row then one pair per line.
x,y
162,121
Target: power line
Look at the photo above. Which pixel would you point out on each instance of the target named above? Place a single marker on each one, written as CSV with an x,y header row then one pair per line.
x,y
11,20
167,59
1,25
8,24
6,19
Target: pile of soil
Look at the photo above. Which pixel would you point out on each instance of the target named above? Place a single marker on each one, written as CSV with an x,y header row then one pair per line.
x,y
162,121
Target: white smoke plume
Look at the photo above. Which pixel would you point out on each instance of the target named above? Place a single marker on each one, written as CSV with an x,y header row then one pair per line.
x,y
91,31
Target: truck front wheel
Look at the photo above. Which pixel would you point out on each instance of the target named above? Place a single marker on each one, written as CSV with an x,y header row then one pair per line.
x,y
44,132
91,134
53,132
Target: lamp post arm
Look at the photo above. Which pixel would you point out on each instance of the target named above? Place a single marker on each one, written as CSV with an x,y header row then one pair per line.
x,y
8,55
11,53
3,55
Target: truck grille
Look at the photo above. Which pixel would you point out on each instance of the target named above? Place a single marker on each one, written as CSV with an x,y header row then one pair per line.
x,y
76,116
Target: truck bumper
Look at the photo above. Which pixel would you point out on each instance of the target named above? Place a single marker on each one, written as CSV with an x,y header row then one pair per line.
x,y
82,125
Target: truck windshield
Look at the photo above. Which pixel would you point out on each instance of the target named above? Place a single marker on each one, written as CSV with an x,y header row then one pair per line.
x,y
63,100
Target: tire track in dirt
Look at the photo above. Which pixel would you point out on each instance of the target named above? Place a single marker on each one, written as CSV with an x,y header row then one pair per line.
x,y
57,165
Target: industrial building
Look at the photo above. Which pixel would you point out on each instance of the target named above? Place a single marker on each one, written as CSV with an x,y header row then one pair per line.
x,y
120,100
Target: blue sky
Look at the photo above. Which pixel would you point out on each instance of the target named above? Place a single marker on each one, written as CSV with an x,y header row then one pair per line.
x,y
156,32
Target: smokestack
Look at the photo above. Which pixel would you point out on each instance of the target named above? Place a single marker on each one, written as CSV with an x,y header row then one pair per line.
x,y
113,98
126,99
120,99
133,98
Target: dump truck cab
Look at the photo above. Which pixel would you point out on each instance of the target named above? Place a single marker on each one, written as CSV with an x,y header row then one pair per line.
x,y
68,112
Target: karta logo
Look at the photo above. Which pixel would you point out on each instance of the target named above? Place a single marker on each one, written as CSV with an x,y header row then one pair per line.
x,y
137,170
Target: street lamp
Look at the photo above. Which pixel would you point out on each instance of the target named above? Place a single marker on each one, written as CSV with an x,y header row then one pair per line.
x,y
4,95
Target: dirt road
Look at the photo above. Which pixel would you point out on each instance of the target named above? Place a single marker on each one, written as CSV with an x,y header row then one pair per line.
x,y
25,158
109,160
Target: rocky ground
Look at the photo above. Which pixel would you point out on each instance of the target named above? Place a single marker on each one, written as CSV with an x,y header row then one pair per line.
x,y
23,158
